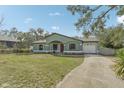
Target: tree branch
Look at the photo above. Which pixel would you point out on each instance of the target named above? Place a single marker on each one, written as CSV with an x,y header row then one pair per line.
x,y
107,12
96,8
1,21
104,13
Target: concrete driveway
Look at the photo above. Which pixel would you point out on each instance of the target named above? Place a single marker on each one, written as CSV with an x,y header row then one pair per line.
x,y
95,72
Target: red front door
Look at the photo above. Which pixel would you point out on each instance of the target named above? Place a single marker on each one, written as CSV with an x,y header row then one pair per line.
x,y
61,48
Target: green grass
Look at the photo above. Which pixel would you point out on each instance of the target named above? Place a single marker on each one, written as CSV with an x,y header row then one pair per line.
x,y
36,70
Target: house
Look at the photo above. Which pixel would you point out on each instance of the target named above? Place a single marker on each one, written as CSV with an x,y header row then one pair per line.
x,y
8,41
64,44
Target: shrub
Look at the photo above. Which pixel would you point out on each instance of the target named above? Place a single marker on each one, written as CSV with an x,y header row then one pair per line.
x,y
22,51
119,67
5,51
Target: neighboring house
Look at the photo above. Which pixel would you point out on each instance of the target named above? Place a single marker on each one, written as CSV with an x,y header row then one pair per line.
x,y
8,41
64,44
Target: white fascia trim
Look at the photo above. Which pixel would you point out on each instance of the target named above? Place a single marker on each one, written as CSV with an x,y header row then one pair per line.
x,y
73,51
40,51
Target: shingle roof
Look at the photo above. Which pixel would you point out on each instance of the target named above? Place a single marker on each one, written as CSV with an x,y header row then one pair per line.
x,y
63,35
40,41
7,38
90,38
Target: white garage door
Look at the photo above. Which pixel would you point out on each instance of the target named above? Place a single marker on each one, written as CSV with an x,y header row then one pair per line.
x,y
89,47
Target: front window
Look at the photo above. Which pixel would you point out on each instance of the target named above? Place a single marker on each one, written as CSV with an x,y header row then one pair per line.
x,y
40,47
72,46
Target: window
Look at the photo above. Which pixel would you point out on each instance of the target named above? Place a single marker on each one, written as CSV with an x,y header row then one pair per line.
x,y
72,46
40,47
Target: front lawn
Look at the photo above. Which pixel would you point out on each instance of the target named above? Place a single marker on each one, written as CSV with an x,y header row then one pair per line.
x,y
36,70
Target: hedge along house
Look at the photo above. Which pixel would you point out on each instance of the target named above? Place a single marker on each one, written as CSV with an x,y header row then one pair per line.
x,y
8,41
63,44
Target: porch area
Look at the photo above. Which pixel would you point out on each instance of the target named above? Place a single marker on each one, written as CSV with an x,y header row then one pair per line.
x,y
58,47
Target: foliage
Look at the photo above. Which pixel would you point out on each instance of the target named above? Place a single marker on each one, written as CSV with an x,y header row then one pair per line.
x,y
35,70
13,32
25,38
86,34
1,21
6,51
3,46
15,50
112,37
38,33
25,51
119,67
93,18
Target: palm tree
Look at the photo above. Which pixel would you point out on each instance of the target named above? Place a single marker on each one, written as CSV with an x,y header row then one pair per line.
x,y
119,67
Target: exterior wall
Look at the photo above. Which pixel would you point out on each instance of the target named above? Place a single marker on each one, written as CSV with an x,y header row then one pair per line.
x,y
66,41
36,48
62,39
9,44
78,46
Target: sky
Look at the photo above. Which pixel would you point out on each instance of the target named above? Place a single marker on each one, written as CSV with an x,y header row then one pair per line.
x,y
52,18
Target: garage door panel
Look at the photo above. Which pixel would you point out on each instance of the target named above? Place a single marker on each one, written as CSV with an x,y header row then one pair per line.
x,y
89,48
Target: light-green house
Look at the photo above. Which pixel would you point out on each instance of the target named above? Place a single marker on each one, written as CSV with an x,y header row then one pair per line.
x,y
63,44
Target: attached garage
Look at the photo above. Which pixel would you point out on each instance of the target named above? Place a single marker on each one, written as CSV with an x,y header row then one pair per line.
x,y
90,45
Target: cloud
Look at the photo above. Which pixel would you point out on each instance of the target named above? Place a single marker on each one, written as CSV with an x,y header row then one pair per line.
x,y
28,20
55,14
120,19
55,27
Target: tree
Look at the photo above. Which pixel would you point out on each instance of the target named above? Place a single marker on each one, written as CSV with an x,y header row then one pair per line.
x,y
86,34
117,38
47,33
1,21
4,32
93,18
39,33
25,38
20,37
13,32
112,37
28,39
3,46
